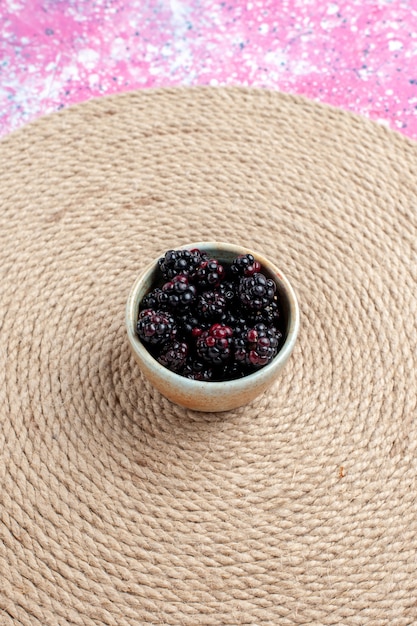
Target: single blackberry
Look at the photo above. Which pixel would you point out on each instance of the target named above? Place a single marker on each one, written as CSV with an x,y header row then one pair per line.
x,y
156,327
191,326
227,289
197,370
155,299
174,356
257,347
180,293
211,305
232,371
245,265
236,320
256,292
215,345
184,262
240,351
269,315
208,274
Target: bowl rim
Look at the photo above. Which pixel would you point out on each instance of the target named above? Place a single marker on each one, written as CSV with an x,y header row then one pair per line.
x,y
237,383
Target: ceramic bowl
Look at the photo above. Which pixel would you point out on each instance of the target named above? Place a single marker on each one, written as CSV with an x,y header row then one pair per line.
x,y
213,396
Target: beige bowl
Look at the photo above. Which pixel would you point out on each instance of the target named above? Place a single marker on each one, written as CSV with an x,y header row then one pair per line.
x,y
213,396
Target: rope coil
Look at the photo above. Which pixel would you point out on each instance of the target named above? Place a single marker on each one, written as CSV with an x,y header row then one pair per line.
x,y
120,508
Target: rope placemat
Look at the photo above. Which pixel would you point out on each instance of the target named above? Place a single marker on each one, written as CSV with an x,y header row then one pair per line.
x,y
120,508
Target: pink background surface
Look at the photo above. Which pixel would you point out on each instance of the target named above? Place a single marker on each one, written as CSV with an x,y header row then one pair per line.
x,y
361,56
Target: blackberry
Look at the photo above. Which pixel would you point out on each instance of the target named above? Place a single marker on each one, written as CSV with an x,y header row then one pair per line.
x,y
208,274
256,292
156,327
232,370
215,345
191,326
245,265
236,320
257,347
180,294
211,305
197,370
228,290
155,299
184,262
174,356
269,315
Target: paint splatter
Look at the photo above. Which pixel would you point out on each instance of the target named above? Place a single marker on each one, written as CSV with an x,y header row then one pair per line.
x,y
355,55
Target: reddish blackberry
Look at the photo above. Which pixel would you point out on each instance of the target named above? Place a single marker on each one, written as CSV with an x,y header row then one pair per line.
x,y
215,345
257,347
156,299
208,274
180,293
156,327
245,265
174,356
256,292
184,262
197,370
211,305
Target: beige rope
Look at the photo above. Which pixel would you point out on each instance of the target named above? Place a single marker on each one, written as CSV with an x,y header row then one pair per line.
x,y
119,508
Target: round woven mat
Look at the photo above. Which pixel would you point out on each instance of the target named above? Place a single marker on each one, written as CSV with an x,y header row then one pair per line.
x,y
118,507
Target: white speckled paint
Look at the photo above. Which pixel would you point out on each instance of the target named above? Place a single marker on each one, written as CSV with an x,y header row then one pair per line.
x,y
353,54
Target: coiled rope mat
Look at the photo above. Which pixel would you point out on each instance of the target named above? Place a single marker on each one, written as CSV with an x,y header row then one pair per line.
x,y
118,507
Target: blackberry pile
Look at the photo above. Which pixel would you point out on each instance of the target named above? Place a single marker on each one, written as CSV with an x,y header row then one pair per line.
x,y
211,321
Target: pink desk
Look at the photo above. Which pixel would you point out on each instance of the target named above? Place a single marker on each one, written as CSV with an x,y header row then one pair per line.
x,y
357,55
